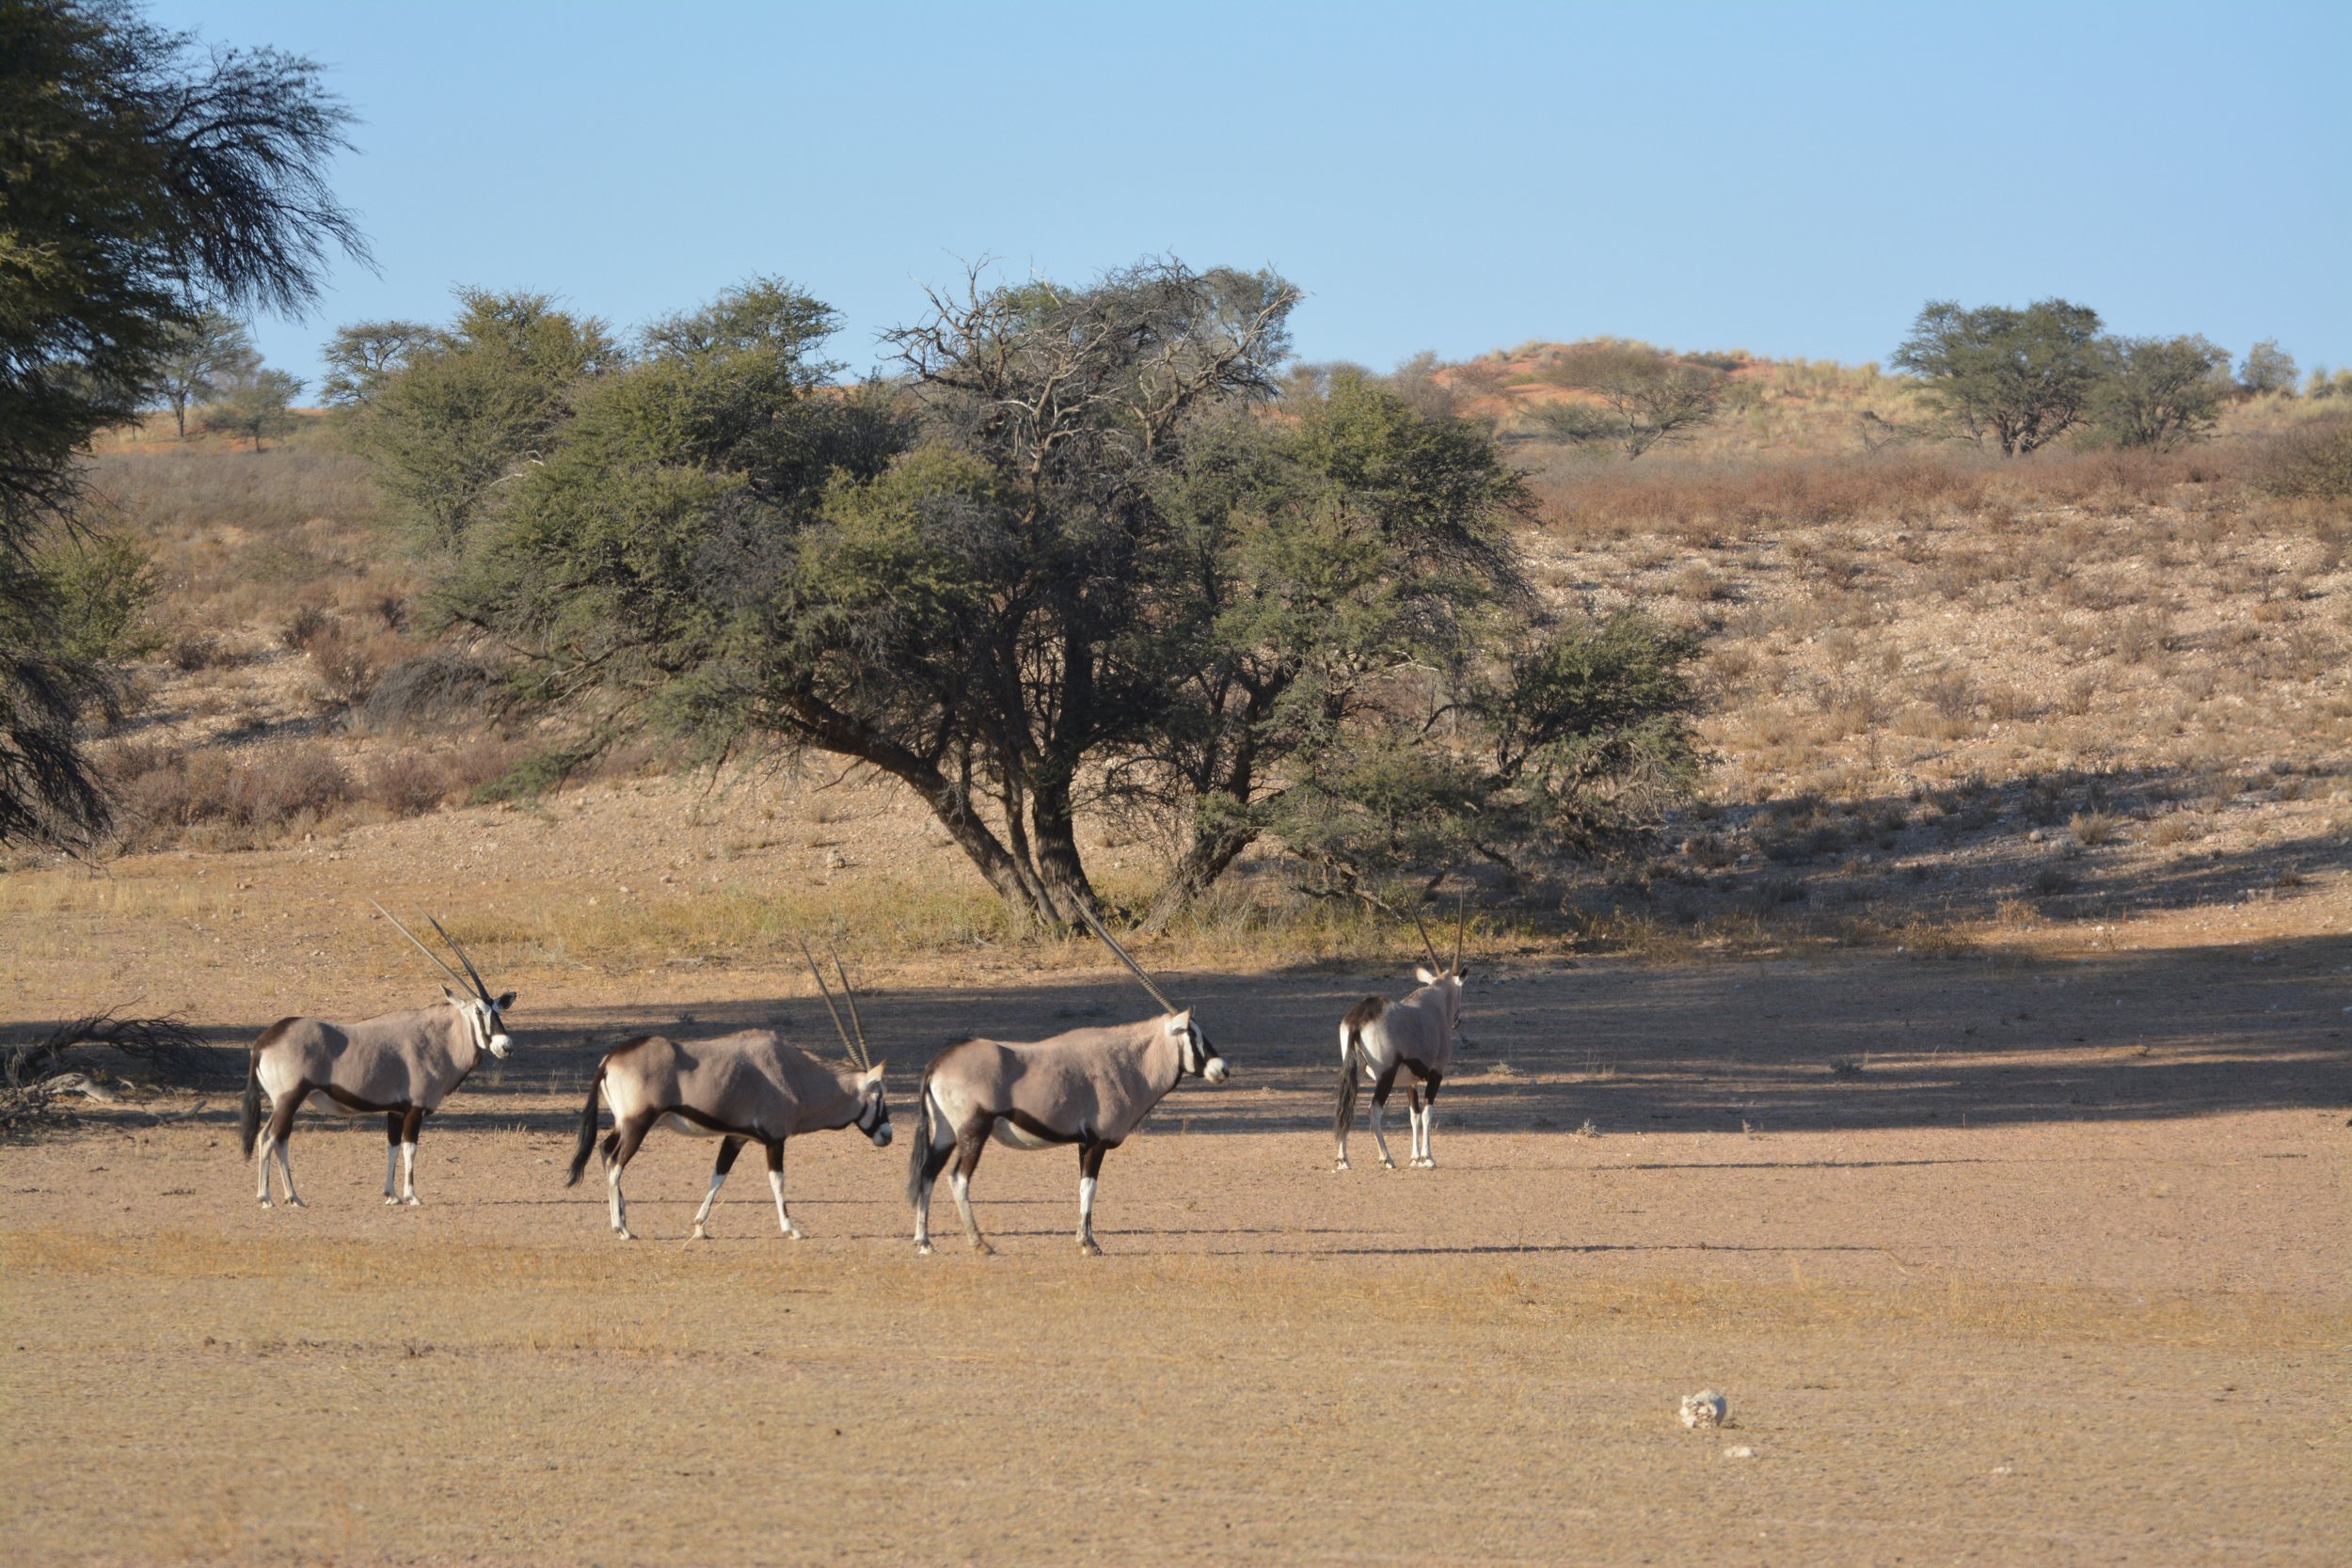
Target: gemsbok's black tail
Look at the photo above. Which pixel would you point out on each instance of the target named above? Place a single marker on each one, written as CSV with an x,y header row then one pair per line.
x,y
249,1113
1351,1075
587,1129
919,1146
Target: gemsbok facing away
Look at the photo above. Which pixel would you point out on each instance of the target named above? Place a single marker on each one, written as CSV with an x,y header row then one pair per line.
x,y
1379,1036
746,1087
1089,1087
401,1064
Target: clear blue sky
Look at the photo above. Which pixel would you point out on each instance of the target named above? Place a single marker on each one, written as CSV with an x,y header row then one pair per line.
x,y
1793,180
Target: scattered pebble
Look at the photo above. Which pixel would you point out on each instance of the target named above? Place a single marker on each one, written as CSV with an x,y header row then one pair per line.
x,y
1741,1451
1705,1408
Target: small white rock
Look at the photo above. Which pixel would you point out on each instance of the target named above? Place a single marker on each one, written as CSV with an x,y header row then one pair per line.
x,y
1705,1408
1743,1451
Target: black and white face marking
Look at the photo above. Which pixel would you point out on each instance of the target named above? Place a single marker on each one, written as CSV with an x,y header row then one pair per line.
x,y
873,1118
1199,1057
484,1020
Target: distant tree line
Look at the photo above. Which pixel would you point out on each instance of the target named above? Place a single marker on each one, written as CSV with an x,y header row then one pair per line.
x,y
1074,555
2019,379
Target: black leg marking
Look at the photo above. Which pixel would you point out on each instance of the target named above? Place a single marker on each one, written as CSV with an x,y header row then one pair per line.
x,y
728,1150
392,1127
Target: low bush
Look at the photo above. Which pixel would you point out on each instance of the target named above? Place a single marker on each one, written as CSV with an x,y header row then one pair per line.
x,y
240,799
2314,460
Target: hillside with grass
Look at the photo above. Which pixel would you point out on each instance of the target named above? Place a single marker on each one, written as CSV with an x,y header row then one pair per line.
x,y
1946,695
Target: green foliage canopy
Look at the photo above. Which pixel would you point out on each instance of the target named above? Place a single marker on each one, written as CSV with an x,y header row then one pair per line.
x,y
2161,391
141,178
1069,562
2021,378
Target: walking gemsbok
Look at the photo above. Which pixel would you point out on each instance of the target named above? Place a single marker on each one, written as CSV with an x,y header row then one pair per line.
x,y
745,1087
1089,1087
401,1064
1379,1037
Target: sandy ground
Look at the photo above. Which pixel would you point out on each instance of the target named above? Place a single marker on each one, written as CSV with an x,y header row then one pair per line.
x,y
2055,1268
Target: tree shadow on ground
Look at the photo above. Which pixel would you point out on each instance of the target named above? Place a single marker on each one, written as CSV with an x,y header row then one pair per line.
x,y
1844,1043
2068,844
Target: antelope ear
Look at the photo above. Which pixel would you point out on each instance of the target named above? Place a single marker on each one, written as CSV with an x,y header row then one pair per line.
x,y
505,1001
455,1000
1179,1022
1423,975
1461,974
875,1073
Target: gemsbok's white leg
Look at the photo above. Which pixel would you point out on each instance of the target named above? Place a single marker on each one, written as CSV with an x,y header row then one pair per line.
x,y
620,1206
775,1184
702,1216
1379,1107
391,1163
1085,1216
263,1149
960,1185
409,1176
285,1170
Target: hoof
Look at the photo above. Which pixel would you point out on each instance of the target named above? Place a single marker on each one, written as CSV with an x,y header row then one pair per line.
x,y
413,1201
390,1203
796,1234
268,1204
622,1231
1342,1166
983,1249
700,1234
1087,1249
1388,1164
295,1203
922,1249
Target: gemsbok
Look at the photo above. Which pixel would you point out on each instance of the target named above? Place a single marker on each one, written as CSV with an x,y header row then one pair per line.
x,y
1089,1087
746,1087
1378,1038
403,1064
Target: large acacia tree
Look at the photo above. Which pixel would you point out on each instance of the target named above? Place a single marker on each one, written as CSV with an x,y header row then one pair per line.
x,y
1069,560
141,178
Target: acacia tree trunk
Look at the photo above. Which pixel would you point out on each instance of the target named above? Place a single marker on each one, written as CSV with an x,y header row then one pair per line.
x,y
1207,858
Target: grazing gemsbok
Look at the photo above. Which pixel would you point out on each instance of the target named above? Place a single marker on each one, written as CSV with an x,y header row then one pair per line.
x,y
1089,1087
1379,1037
745,1087
401,1064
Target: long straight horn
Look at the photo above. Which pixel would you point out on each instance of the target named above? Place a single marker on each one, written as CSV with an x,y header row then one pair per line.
x,y
420,946
1461,918
1096,926
480,990
1426,946
838,1027
865,1052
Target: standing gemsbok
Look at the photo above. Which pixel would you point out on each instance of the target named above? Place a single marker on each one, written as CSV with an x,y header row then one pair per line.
x,y
745,1087
1089,1087
1379,1036
401,1064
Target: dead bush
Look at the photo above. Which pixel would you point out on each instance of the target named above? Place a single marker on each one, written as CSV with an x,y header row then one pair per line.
x,y
237,799
434,690
407,783
189,650
2314,460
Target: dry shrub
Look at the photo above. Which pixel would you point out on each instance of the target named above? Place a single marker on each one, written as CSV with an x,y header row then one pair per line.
x,y
437,689
189,650
233,799
407,783
2114,480
2314,460
1907,487
305,625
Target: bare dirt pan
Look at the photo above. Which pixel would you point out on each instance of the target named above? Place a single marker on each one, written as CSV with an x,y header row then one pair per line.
x,y
2033,1259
